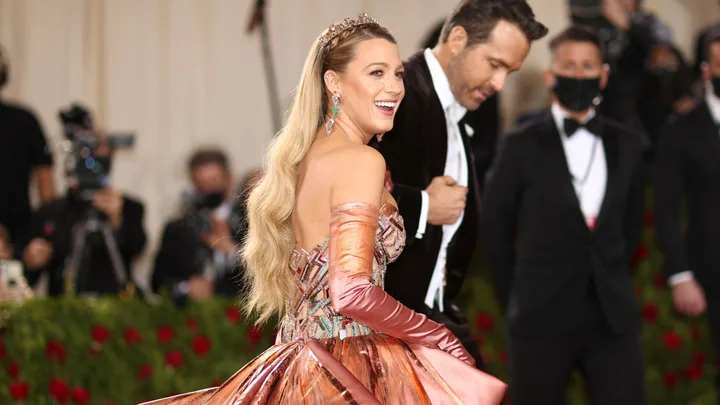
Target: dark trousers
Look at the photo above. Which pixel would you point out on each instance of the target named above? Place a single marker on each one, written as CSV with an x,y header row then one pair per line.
x,y
458,324
713,312
612,364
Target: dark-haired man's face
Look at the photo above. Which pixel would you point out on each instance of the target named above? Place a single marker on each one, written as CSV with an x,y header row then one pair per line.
x,y
577,75
478,71
211,178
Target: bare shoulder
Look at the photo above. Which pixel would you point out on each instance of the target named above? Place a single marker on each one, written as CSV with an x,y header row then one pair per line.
x,y
356,173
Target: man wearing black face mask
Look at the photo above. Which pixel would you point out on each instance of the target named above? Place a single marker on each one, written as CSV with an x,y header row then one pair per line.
x,y
562,216
198,253
688,174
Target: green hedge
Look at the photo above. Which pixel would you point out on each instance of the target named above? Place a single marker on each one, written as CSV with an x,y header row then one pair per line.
x,y
123,351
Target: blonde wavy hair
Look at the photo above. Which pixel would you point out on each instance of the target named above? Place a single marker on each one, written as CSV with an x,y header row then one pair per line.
x,y
269,242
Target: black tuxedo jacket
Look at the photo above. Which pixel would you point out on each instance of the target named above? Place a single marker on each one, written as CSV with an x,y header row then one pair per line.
x,y
688,169
545,260
415,151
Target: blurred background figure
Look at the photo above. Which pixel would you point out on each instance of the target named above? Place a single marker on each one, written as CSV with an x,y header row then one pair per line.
x,y
198,254
86,241
25,158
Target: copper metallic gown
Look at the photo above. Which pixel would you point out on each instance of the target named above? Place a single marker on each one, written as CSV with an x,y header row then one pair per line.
x,y
323,357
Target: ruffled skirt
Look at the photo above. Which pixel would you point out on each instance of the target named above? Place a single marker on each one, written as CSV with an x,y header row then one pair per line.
x,y
372,369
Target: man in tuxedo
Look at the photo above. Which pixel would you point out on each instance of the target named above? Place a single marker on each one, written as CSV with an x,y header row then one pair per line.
x,y
562,216
688,169
428,152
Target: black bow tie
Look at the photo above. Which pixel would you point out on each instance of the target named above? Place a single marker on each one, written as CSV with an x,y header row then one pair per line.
x,y
570,126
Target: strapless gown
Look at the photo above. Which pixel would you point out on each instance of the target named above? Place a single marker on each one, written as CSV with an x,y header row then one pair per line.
x,y
323,357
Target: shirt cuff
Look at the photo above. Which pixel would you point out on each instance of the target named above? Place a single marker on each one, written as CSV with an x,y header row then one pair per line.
x,y
422,224
681,277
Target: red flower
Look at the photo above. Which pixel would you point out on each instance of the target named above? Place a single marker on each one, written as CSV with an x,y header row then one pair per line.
x,y
55,351
671,379
19,390
254,335
80,395
485,321
201,345
650,312
233,315
173,359
191,324
695,333
100,334
58,390
14,369
145,372
671,340
389,186
694,372
165,334
641,253
649,218
132,336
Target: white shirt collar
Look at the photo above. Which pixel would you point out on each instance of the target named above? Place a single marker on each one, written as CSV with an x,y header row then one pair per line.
x,y
713,103
453,109
559,116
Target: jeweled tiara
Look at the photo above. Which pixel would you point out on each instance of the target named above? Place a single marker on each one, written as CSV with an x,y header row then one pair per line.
x,y
338,28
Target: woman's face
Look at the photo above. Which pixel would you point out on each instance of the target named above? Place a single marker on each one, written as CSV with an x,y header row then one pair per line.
x,y
371,87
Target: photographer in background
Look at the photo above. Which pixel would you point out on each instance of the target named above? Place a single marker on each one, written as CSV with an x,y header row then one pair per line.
x,y
90,207
24,157
197,258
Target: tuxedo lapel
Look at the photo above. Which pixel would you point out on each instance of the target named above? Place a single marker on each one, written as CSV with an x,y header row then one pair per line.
x,y
435,130
557,164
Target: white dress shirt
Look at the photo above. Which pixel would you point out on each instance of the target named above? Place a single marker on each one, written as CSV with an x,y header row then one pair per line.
x,y
713,103
456,166
589,173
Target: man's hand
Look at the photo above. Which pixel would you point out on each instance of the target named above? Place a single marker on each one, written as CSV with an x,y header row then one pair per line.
x,y
200,288
446,200
616,14
37,254
110,202
689,298
219,239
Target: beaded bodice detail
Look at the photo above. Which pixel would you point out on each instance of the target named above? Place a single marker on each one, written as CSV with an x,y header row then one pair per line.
x,y
311,314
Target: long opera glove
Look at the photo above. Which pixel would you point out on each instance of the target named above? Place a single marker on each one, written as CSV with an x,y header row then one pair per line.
x,y
351,250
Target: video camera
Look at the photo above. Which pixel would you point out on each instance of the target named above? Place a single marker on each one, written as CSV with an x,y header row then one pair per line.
x,y
88,163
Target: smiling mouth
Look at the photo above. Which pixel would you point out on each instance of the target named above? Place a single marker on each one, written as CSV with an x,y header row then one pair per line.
x,y
386,107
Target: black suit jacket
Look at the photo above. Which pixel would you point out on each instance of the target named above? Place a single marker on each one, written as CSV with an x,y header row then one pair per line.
x,y
688,169
545,260
415,151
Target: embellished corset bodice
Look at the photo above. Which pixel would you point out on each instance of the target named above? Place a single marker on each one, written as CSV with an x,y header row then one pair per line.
x,y
311,315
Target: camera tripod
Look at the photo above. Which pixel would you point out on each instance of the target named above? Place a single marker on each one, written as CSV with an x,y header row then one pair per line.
x,y
93,224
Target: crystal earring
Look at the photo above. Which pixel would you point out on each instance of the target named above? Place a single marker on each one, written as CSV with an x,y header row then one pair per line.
x,y
597,100
336,99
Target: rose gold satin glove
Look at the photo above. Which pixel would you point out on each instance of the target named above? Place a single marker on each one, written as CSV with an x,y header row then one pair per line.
x,y
353,294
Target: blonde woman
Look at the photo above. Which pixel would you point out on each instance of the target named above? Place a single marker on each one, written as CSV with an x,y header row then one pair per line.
x,y
322,208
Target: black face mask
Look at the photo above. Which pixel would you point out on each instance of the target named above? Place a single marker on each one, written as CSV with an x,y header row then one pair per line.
x,y
576,94
210,200
716,85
